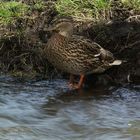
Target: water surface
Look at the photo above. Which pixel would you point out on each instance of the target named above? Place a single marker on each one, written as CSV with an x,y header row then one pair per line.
x,y
47,110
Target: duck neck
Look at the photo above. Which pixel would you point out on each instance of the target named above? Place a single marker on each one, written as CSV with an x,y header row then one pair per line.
x,y
58,38
66,33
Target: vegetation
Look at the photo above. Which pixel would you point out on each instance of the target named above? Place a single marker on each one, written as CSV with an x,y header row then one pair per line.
x,y
83,9
39,5
79,9
19,25
94,10
10,11
135,4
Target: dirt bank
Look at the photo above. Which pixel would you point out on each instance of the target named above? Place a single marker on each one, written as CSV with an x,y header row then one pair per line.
x,y
21,43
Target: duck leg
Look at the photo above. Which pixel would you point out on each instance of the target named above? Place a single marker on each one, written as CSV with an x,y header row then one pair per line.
x,y
80,83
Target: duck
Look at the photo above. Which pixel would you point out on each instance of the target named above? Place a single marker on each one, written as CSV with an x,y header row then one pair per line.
x,y
76,54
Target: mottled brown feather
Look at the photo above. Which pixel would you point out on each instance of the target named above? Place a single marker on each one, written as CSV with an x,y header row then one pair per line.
x,y
77,55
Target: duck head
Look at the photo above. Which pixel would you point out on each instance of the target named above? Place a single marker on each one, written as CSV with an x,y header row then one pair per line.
x,y
64,28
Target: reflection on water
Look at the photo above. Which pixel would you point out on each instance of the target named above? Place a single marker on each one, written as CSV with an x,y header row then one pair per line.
x,y
48,111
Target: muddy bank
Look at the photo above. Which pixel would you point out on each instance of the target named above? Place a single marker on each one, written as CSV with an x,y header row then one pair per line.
x,y
123,39
21,44
22,39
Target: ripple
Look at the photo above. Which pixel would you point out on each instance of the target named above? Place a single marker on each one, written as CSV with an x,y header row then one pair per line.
x,y
48,110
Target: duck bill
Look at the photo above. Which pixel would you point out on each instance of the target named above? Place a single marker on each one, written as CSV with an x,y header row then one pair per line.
x,y
50,29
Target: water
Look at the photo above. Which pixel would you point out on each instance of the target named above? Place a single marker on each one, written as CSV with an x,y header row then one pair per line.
x,y
48,111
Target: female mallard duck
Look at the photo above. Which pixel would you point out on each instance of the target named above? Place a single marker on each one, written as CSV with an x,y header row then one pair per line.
x,y
75,54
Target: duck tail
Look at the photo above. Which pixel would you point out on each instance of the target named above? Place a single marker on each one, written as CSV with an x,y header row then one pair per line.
x,y
116,62
106,55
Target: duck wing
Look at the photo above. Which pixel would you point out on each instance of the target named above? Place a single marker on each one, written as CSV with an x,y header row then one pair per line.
x,y
92,49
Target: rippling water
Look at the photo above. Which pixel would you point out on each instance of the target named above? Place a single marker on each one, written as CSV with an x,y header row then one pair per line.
x,y
48,111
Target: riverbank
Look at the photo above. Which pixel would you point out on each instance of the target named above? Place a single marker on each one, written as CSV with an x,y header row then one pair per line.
x,y
114,25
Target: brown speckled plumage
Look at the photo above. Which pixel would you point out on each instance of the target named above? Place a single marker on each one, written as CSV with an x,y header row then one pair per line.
x,y
76,54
